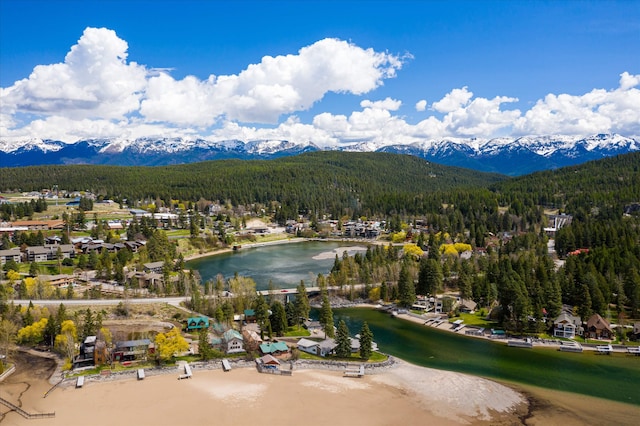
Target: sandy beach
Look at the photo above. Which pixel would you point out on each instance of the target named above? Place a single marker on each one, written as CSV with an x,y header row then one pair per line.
x,y
404,394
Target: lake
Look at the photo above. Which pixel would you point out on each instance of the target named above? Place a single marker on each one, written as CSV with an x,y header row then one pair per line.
x,y
283,264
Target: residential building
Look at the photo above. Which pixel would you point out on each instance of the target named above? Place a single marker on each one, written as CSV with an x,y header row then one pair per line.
x,y
567,326
233,342
598,328
11,254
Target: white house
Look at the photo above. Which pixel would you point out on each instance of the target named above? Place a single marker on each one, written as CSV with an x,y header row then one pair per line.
x,y
233,341
308,346
567,326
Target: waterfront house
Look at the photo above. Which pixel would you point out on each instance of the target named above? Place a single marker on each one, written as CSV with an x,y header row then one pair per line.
x,y
268,362
567,326
598,328
468,306
233,341
130,350
308,346
326,347
274,348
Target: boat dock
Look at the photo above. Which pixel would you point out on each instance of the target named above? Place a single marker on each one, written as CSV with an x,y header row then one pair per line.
x,y
351,372
526,343
226,366
187,372
604,349
570,347
633,350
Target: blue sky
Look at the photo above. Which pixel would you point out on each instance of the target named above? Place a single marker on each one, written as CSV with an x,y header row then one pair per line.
x,y
336,72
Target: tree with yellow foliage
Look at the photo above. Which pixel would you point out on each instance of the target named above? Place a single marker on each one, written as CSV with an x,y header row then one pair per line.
x,y
170,343
66,341
34,333
412,251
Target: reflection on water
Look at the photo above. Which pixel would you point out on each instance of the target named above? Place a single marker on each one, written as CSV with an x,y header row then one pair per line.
x,y
285,265
614,377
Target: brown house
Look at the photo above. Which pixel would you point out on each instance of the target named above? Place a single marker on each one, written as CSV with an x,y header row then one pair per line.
x,y
598,328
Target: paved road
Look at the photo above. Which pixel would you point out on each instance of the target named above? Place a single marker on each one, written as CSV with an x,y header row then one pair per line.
x,y
175,301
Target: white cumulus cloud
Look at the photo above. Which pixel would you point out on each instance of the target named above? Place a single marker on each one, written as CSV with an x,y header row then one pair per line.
x,y
96,92
94,81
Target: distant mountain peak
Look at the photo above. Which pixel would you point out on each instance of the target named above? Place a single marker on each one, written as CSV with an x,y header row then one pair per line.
x,y
511,156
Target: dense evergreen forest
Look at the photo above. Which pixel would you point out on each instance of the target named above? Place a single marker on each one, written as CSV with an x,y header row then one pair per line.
x,y
334,182
441,211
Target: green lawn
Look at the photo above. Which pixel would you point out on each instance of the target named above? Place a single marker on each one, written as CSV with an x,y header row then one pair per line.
x,y
297,331
474,319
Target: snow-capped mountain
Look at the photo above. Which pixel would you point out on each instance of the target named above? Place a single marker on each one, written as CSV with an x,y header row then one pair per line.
x,y
511,156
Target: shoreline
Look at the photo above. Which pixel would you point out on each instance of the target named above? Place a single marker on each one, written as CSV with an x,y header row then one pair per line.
x,y
399,392
248,245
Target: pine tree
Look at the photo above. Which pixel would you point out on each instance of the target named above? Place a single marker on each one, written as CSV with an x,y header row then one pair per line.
x,y
366,340
278,318
343,342
326,316
301,304
406,289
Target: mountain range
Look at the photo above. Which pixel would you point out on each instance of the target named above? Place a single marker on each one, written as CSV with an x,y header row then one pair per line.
x,y
508,156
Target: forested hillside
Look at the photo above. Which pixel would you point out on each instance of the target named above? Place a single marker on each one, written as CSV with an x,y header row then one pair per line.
x,y
334,182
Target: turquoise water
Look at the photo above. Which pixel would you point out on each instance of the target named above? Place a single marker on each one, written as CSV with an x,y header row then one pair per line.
x,y
284,264
615,377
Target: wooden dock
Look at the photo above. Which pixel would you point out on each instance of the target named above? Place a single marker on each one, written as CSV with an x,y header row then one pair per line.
x,y
351,372
187,372
226,366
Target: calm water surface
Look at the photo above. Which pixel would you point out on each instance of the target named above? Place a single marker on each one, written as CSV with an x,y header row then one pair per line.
x,y
284,264
615,377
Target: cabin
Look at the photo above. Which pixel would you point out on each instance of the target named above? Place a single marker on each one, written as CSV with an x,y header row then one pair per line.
x,y
598,328
468,306
267,362
197,323
274,348
249,315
